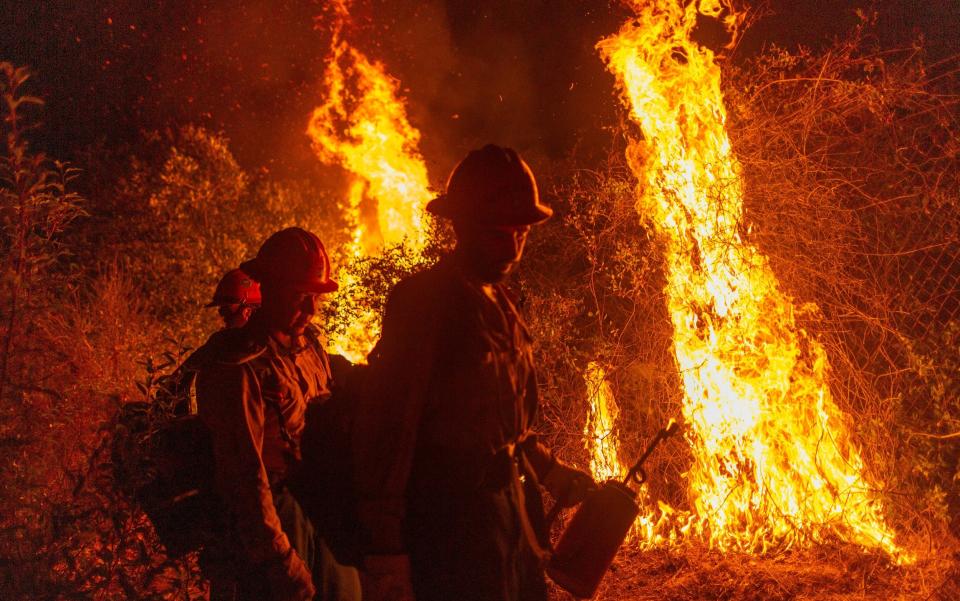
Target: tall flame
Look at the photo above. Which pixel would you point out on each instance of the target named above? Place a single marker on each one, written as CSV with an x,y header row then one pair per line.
x,y
773,463
362,126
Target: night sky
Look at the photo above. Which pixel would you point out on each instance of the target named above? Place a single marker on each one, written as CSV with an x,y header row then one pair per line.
x,y
522,73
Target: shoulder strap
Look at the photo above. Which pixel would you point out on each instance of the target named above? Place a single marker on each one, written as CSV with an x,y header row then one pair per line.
x,y
233,346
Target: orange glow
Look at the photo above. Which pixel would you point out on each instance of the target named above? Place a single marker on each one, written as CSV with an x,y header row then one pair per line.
x,y
362,126
774,464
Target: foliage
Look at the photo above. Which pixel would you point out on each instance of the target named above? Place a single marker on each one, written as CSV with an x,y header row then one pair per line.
x,y
850,159
931,422
850,163
36,206
191,213
369,280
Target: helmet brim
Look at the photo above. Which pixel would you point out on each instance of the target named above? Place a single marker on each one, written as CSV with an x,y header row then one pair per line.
x,y
440,206
443,206
252,268
224,303
257,272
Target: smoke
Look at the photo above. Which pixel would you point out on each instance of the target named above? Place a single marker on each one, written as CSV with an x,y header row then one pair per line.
x,y
523,74
253,71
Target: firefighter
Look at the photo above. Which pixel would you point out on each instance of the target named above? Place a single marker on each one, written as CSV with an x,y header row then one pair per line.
x,y
447,462
236,297
253,399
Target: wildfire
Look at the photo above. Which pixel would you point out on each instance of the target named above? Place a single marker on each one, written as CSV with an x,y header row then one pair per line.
x,y
362,126
774,463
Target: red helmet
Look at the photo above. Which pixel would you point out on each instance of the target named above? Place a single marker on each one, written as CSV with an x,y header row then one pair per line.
x,y
236,288
492,185
293,257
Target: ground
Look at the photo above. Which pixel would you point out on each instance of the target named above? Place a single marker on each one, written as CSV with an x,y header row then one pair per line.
x,y
824,574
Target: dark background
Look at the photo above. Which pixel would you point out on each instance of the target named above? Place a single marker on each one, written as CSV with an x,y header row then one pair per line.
x,y
521,73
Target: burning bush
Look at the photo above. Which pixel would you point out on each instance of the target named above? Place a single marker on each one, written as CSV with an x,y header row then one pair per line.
x,y
850,185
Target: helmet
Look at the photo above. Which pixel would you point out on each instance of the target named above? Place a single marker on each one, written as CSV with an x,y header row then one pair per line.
x,y
293,257
492,185
236,288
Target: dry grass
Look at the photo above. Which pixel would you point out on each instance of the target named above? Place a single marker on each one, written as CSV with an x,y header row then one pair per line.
x,y
825,574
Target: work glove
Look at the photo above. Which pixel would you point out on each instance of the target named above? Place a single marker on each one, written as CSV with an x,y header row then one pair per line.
x,y
289,579
568,485
386,578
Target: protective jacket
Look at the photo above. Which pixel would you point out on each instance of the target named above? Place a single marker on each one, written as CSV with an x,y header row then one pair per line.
x,y
254,399
443,435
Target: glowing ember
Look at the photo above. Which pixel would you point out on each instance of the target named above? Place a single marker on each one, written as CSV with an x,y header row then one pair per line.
x,y
362,126
774,463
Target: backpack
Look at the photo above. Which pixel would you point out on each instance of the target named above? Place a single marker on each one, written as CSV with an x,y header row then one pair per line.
x,y
167,464
324,486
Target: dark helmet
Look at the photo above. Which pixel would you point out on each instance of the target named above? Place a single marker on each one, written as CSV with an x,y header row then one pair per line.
x,y
294,257
236,288
492,185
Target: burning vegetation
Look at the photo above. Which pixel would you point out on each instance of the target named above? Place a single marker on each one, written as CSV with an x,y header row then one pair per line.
x,y
773,460
770,254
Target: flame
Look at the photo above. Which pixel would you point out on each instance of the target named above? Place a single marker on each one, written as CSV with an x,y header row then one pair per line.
x,y
601,441
362,126
653,525
774,464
